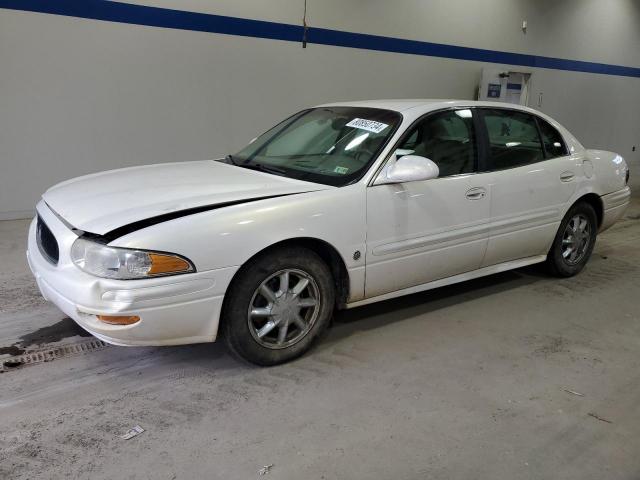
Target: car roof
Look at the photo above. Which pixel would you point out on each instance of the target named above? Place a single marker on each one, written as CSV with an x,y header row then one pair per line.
x,y
424,104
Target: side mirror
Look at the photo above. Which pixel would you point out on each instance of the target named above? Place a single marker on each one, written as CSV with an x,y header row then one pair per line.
x,y
410,168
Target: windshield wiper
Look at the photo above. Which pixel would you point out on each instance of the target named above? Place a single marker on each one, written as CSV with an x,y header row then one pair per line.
x,y
262,168
266,168
255,166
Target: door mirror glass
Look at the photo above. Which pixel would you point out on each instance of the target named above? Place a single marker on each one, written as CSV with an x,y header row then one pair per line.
x,y
410,168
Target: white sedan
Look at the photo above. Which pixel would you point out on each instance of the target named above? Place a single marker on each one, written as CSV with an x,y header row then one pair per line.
x,y
337,206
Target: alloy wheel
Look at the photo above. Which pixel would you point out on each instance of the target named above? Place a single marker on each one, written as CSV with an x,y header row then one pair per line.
x,y
284,308
576,239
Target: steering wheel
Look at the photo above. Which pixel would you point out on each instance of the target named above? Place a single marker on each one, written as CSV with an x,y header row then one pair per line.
x,y
363,151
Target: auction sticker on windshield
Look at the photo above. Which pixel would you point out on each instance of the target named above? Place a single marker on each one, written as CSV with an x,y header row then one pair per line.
x,y
368,125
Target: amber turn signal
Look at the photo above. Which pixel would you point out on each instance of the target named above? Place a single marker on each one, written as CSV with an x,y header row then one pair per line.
x,y
167,264
119,320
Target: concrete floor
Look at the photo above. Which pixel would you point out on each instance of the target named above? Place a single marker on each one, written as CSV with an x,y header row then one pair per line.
x,y
467,381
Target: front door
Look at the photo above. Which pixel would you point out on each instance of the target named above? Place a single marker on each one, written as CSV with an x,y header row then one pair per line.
x,y
422,231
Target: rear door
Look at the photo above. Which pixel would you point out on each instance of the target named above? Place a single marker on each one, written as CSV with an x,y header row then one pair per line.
x,y
531,180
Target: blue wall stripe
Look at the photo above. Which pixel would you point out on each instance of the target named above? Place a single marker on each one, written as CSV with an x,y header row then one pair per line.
x,y
204,22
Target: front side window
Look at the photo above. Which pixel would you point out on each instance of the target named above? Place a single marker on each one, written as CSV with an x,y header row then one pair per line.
x,y
553,143
446,138
513,139
330,145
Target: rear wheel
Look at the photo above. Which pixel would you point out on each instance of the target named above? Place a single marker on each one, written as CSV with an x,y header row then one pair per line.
x,y
574,241
278,305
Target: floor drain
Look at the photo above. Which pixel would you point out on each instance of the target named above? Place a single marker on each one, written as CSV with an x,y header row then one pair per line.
x,y
51,353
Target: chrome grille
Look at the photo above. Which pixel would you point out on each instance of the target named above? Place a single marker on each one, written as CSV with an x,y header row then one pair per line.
x,y
47,242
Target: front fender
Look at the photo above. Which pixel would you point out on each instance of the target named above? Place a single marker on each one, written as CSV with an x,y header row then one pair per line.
x,y
231,235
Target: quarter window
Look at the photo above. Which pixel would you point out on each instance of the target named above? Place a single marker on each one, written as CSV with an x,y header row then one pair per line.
x,y
513,139
446,138
553,143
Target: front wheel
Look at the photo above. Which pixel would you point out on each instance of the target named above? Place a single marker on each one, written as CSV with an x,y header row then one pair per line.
x,y
574,241
278,305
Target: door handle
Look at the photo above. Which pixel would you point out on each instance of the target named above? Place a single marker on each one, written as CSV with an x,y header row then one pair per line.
x,y
476,193
566,176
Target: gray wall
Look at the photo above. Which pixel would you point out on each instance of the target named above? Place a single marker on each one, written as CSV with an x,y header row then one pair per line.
x,y
79,96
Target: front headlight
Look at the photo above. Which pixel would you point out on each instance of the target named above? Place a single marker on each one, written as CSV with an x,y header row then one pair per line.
x,y
124,263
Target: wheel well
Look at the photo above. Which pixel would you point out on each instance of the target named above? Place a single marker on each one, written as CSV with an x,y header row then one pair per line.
x,y
328,254
595,201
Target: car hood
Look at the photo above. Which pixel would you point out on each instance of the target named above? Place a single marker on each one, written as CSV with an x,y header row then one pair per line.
x,y
102,202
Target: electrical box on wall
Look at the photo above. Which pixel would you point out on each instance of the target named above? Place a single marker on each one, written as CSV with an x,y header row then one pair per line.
x,y
503,85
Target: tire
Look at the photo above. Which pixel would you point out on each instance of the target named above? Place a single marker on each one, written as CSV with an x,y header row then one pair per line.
x,y
562,259
258,309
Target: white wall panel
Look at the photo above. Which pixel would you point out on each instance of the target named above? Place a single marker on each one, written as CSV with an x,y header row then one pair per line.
x,y
78,96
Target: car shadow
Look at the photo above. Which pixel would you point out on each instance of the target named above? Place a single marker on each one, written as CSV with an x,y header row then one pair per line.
x,y
380,314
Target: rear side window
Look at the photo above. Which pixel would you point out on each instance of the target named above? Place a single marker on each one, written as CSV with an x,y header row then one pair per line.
x,y
513,139
553,143
446,138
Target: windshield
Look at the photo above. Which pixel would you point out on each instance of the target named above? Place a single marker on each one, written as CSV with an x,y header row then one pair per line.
x,y
330,145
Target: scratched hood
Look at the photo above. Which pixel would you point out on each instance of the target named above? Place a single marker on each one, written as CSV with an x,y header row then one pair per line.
x,y
102,202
